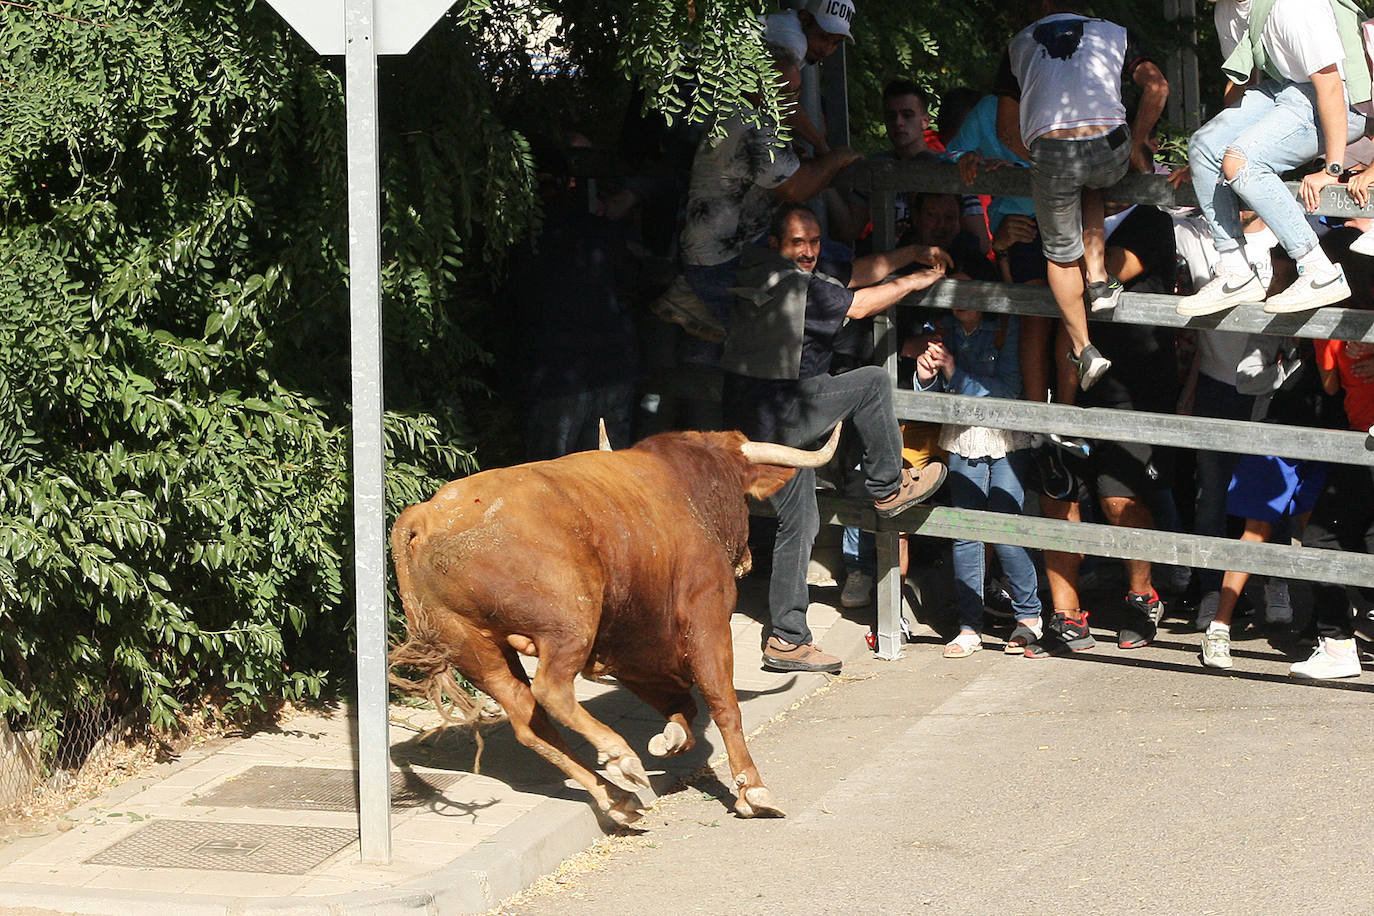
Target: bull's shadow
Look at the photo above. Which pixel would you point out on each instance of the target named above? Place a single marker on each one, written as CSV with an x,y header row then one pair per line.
x,y
505,759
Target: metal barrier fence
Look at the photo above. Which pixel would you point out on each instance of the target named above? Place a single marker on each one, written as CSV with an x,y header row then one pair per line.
x,y
883,181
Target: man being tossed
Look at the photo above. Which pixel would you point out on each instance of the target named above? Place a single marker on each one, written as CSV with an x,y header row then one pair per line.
x,y
778,389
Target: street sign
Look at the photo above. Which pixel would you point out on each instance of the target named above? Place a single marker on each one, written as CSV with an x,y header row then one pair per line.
x,y
360,30
397,24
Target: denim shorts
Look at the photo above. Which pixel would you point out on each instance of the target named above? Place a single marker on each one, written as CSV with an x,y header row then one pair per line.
x,y
1060,171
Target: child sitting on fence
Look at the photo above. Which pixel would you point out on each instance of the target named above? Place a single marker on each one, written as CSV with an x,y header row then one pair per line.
x,y
977,355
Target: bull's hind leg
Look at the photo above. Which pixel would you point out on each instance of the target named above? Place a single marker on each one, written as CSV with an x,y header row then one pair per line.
x,y
553,690
712,657
677,707
506,683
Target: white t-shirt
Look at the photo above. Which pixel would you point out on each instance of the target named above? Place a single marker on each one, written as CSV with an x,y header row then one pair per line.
x,y
784,32
1300,38
1066,70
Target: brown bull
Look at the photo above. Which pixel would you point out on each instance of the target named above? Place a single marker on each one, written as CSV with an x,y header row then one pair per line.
x,y
605,562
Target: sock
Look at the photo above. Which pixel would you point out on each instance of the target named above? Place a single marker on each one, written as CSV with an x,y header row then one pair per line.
x,y
1215,627
1316,261
1234,262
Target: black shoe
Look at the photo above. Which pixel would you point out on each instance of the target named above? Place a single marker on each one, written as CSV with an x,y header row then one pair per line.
x,y
1090,365
1143,613
1062,635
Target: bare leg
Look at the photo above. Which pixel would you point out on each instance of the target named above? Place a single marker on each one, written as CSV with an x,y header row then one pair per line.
x,y
1066,282
1094,237
1036,333
1061,568
1233,583
1126,512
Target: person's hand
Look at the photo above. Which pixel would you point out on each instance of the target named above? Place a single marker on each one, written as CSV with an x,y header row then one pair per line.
x,y
926,368
926,278
941,358
935,257
1012,229
1358,187
1311,187
968,165
1178,176
1362,359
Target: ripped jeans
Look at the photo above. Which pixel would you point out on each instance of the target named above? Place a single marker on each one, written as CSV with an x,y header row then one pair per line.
x,y
1275,128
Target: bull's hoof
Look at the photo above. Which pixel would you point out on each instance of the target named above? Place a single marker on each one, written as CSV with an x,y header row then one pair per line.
x,y
626,811
673,740
628,768
757,801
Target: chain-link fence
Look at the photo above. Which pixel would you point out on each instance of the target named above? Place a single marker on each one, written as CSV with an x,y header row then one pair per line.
x,y
38,764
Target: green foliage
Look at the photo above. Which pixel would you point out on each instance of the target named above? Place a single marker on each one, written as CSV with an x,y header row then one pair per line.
x,y
174,492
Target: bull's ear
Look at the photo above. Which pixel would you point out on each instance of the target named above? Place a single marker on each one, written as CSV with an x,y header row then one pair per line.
x,y
763,480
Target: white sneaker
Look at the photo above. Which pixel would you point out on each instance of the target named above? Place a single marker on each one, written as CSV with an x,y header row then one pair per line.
x,y
1221,292
1216,650
858,589
1334,658
1310,291
1364,244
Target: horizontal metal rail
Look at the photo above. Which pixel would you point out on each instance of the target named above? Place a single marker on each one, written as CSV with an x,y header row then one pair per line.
x,y
1239,437
1109,541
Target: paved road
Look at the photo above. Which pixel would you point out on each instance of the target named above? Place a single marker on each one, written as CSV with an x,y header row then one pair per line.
x,y
1107,782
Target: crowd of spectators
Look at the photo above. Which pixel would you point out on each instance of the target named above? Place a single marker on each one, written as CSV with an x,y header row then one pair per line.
x,y
777,283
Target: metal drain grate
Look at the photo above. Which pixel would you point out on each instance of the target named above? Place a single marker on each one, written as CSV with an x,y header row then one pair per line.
x,y
319,789
265,848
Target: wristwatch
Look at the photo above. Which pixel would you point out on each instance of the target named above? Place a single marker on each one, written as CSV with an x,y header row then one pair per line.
x,y
1334,169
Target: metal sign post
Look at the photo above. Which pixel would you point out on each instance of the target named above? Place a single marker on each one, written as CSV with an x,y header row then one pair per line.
x,y
360,30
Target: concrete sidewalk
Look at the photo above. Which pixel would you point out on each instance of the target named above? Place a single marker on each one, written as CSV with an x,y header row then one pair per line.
x,y
268,823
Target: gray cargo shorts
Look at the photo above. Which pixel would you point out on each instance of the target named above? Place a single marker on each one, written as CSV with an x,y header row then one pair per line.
x,y
1060,171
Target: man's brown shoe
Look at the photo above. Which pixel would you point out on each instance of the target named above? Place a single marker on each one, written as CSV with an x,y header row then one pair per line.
x,y
783,656
917,486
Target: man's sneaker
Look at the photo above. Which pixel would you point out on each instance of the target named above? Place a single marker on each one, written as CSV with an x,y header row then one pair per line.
x,y
1143,613
1062,635
1216,650
1334,658
1221,292
1310,291
779,655
917,486
1103,295
1090,365
858,589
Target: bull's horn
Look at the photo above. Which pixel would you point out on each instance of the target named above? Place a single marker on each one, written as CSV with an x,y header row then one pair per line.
x,y
603,441
788,457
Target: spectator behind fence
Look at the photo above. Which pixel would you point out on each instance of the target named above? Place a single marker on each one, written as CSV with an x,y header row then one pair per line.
x,y
577,344
778,389
1344,516
1126,476
977,355
802,37
1310,68
1061,109
1272,494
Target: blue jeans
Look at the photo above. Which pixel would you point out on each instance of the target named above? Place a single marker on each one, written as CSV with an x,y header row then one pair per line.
x,y
1274,129
993,484
860,550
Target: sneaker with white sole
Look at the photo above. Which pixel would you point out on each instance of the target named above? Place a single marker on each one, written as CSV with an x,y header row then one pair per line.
x,y
1364,244
858,589
1090,366
1222,292
1103,295
1310,291
1216,650
1334,658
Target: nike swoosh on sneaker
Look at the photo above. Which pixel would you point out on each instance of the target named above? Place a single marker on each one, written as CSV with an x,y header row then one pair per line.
x,y
1336,279
1228,290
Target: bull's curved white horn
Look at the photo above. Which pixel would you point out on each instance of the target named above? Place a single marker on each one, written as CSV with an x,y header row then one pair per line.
x,y
603,441
788,457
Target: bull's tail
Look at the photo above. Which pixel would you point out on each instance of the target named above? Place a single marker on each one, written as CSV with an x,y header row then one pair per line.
x,y
424,650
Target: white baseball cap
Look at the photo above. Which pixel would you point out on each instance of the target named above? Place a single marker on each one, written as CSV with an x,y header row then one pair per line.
x,y
833,16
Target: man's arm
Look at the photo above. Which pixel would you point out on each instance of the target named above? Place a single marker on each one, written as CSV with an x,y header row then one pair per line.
x,y
1009,126
874,299
1154,91
1330,91
812,177
872,268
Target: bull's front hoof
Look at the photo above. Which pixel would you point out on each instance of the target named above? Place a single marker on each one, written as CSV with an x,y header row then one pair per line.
x,y
673,740
757,801
628,768
626,810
